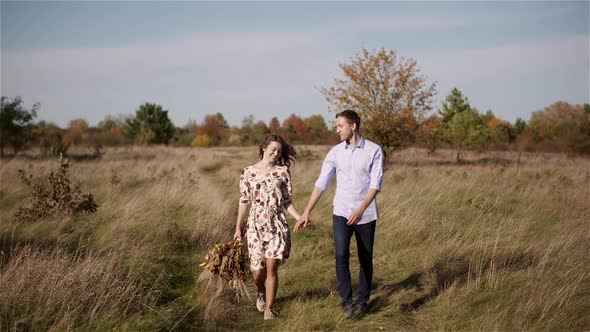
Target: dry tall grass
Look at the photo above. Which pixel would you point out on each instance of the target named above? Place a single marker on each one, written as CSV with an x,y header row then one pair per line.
x,y
472,246
51,289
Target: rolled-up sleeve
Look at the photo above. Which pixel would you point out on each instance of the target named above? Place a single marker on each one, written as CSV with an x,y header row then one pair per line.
x,y
377,171
327,173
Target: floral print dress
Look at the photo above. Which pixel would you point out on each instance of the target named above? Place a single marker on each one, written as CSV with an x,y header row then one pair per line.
x,y
267,232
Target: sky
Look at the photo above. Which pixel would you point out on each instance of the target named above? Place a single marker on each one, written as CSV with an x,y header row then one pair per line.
x,y
93,59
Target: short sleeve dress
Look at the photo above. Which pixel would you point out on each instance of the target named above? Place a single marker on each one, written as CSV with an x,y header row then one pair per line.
x,y
267,231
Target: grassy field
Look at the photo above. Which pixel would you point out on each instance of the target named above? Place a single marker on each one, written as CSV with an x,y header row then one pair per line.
x,y
471,246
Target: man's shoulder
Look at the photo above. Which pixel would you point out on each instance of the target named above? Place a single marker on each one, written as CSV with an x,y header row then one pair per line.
x,y
372,145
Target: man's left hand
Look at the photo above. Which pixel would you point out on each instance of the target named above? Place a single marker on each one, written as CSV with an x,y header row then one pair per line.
x,y
355,216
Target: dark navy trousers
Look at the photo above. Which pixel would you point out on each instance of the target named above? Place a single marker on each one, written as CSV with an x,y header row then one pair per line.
x,y
365,235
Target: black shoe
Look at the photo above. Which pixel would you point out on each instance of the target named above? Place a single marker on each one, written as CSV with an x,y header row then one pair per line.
x,y
348,311
361,311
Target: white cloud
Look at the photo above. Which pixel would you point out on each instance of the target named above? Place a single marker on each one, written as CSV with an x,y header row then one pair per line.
x,y
249,69
266,73
480,63
201,51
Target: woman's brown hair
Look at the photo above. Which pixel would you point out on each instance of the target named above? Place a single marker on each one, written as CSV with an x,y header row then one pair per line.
x,y
288,152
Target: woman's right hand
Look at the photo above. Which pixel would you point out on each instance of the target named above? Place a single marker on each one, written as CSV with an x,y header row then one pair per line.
x,y
238,235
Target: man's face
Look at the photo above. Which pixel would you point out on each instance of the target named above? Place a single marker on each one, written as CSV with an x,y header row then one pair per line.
x,y
344,128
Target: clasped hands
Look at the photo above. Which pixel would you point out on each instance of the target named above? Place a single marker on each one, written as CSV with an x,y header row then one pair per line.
x,y
305,222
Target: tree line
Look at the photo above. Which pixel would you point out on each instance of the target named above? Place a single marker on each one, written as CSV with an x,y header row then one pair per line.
x,y
150,124
391,94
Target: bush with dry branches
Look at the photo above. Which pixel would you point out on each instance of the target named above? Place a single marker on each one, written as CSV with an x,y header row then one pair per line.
x,y
55,194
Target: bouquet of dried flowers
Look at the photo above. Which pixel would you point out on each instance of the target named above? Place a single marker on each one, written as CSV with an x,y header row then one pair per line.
x,y
229,261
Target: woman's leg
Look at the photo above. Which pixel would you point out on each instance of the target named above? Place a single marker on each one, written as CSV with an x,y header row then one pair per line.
x,y
272,281
259,279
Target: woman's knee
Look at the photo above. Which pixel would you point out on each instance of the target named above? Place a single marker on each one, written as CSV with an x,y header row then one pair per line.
x,y
272,267
258,273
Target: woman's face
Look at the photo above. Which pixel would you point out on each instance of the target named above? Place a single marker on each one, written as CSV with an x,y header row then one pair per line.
x,y
272,152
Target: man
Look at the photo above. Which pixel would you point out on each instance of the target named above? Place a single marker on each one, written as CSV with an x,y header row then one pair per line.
x,y
358,166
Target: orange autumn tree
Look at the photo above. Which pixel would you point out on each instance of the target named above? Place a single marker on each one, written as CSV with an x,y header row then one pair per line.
x,y
429,133
294,129
274,125
215,127
78,131
560,127
389,93
501,132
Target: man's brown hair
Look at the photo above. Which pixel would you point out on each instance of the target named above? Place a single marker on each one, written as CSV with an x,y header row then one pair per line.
x,y
352,117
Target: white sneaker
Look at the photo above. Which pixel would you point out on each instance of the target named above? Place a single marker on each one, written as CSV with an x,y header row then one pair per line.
x,y
260,302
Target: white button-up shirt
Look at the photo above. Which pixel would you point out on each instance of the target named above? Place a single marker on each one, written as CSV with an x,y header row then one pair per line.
x,y
357,169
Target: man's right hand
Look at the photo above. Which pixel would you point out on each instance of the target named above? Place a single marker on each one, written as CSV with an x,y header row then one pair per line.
x,y
303,222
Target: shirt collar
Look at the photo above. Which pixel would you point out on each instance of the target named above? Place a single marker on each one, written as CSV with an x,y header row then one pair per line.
x,y
360,145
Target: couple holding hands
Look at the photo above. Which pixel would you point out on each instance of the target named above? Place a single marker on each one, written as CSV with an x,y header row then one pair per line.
x,y
266,188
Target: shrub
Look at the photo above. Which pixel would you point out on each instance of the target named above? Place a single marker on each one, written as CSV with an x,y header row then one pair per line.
x,y
56,194
202,141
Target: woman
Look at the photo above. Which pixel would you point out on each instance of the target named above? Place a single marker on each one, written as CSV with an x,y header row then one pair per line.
x,y
266,187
